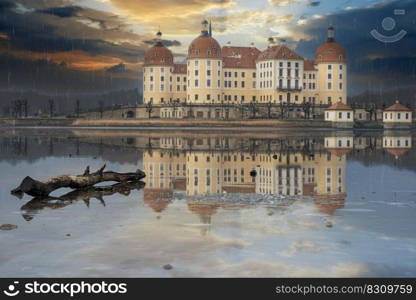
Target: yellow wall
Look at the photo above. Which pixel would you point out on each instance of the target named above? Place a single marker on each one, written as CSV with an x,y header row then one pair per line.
x,y
397,117
153,84
202,93
239,94
335,93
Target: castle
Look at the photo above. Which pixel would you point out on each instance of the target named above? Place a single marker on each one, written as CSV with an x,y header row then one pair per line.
x,y
232,75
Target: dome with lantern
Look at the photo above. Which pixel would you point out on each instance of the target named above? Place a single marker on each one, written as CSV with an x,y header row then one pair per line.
x,y
331,51
204,46
158,54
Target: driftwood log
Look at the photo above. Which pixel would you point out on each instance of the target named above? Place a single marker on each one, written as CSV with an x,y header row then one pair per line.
x,y
37,188
38,203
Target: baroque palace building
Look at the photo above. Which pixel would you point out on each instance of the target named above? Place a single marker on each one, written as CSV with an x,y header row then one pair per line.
x,y
232,75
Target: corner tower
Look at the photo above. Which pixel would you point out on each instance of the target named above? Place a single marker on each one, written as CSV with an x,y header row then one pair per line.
x,y
204,69
331,60
157,73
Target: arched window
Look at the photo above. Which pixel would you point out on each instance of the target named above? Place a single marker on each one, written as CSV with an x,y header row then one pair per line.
x,y
130,114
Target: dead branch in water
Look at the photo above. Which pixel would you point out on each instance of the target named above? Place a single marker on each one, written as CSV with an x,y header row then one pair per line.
x,y
37,188
38,203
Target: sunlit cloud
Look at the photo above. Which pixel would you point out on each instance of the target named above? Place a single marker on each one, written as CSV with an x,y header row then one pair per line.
x,y
282,3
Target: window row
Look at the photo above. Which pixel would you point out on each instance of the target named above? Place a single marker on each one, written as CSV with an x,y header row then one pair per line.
x,y
198,63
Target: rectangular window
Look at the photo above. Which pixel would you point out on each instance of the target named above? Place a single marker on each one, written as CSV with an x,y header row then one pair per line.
x,y
208,83
196,83
243,74
196,72
208,177
208,72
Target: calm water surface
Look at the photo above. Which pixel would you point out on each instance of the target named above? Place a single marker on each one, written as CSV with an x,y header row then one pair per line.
x,y
214,203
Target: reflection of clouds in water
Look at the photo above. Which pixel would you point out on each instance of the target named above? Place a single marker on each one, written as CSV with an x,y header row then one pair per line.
x,y
304,246
257,268
225,251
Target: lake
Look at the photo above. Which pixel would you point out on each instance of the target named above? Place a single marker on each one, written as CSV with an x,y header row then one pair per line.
x,y
214,203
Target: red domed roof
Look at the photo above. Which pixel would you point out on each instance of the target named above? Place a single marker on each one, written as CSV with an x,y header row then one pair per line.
x,y
158,55
204,46
331,52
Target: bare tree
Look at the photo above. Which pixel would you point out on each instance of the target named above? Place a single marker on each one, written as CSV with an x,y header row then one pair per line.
x,y
149,108
269,110
51,104
25,107
253,109
306,107
372,111
17,108
77,107
101,108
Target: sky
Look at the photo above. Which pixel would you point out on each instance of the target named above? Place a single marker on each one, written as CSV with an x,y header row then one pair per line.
x,y
69,46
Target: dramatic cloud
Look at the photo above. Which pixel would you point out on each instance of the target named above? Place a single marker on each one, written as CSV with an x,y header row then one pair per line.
x,y
64,39
373,64
281,3
120,68
167,43
314,3
108,38
63,12
174,17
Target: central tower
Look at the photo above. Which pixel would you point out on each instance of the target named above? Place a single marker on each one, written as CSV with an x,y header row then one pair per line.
x,y
204,69
331,59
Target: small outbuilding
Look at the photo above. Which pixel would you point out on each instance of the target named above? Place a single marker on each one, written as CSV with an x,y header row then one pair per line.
x,y
340,114
397,116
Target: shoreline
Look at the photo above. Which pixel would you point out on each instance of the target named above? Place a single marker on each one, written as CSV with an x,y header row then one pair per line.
x,y
174,124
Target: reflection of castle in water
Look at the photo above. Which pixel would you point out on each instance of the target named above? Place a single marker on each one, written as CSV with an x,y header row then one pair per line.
x,y
295,167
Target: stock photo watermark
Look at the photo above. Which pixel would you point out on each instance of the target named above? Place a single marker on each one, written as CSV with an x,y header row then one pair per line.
x,y
388,24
